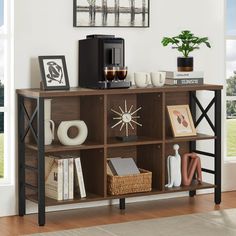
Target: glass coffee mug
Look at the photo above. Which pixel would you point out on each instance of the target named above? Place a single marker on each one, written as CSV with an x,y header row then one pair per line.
x,y
110,72
121,72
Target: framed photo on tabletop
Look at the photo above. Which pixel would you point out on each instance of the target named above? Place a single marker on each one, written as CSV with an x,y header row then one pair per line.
x,y
54,72
181,121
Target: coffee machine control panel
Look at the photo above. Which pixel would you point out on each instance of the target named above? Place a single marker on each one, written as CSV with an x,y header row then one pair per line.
x,y
113,54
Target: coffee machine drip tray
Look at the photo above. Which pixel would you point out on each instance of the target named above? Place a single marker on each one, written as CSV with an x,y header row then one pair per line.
x,y
113,84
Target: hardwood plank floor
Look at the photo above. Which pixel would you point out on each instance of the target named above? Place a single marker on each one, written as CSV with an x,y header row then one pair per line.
x,y
15,225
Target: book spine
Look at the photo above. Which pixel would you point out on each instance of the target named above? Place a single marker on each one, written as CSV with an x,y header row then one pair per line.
x,y
60,180
66,179
71,178
195,81
184,75
113,170
80,177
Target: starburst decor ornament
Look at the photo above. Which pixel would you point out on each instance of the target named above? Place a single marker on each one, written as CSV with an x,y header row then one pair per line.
x,y
126,118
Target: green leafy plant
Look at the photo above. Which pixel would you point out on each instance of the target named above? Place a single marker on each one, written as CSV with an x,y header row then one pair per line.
x,y
185,42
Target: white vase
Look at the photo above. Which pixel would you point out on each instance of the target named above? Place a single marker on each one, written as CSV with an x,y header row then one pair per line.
x,y
49,131
49,125
62,132
47,109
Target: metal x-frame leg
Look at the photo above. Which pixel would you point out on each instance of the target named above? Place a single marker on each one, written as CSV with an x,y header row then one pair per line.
x,y
216,128
25,124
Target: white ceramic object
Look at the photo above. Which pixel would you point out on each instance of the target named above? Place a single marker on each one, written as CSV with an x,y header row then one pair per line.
x,y
63,128
49,129
141,79
174,169
49,126
158,78
47,109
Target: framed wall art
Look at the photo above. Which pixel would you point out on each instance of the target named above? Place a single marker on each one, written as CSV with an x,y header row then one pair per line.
x,y
181,120
111,13
54,72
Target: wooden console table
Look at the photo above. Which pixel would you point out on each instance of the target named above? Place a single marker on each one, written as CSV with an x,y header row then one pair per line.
x,y
150,150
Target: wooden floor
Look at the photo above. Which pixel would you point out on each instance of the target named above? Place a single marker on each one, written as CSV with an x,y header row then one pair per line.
x,y
10,226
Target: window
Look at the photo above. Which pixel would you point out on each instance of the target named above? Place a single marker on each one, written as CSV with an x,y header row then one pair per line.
x,y
5,81
2,56
231,78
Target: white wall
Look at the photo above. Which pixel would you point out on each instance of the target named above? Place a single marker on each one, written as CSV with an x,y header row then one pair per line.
x,y
45,28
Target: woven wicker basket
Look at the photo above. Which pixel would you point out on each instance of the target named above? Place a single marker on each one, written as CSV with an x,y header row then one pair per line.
x,y
117,185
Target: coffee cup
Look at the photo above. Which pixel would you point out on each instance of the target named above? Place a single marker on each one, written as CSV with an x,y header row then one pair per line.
x,y
141,79
158,78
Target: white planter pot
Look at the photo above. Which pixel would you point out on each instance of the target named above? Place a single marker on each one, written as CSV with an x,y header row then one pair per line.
x,y
63,128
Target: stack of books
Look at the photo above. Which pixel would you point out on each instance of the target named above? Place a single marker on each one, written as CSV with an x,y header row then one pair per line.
x,y
63,177
184,78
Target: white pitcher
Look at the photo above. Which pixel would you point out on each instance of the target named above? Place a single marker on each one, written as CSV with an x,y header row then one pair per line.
x,y
49,125
48,131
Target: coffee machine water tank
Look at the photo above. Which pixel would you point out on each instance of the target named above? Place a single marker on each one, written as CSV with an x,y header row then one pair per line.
x,y
97,52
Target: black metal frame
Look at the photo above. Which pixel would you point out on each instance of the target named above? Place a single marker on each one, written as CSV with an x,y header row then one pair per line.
x,y
216,128
24,127
39,139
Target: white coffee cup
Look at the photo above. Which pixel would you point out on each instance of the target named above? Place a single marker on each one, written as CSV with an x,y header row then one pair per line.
x,y
158,78
141,79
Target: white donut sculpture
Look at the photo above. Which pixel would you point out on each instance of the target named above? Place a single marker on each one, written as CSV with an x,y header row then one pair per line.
x,y
63,128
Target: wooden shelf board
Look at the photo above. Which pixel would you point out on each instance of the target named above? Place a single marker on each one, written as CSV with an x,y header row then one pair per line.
x,y
90,197
52,202
114,142
61,148
93,197
193,186
189,138
76,91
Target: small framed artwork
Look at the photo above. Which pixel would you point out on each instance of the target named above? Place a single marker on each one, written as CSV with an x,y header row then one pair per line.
x,y
111,13
54,73
181,120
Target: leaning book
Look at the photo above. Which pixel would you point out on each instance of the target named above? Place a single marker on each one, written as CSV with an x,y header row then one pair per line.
x,y
54,177
79,179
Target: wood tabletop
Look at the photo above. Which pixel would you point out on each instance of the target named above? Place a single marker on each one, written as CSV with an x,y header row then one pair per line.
x,y
77,91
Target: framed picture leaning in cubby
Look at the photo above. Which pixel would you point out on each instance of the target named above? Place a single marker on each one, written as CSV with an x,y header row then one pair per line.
x,y
181,120
54,73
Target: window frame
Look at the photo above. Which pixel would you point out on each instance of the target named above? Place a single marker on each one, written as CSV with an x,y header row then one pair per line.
x,y
8,108
227,98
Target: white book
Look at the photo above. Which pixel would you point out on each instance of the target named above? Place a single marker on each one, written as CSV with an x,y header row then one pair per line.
x,y
193,81
54,177
66,179
71,178
79,179
184,75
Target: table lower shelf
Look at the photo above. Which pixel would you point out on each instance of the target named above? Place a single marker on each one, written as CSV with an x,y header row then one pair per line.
x,y
94,197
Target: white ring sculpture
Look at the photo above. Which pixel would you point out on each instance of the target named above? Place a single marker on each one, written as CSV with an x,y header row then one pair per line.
x,y
63,128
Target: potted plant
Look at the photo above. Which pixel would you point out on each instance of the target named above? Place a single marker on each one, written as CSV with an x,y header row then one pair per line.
x,y
186,42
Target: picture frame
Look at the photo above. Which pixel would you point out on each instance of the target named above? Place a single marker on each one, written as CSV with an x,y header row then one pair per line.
x,y
54,72
181,120
111,13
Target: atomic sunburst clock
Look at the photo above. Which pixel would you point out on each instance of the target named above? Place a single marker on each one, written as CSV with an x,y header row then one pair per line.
x,y
126,118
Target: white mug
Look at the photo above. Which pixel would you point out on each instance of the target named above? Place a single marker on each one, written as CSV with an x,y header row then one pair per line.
x,y
141,79
158,78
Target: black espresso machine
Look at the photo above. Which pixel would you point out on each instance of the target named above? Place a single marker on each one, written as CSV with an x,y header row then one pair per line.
x,y
96,53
